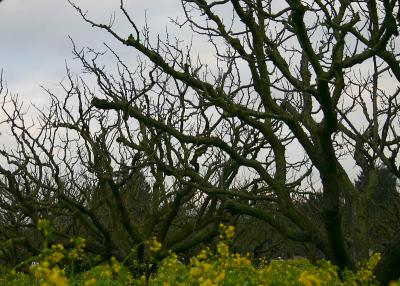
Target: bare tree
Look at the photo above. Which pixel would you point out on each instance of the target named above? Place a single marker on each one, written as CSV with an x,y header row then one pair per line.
x,y
294,90
92,174
318,78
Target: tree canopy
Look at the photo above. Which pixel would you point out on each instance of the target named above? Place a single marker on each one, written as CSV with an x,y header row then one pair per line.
x,y
258,126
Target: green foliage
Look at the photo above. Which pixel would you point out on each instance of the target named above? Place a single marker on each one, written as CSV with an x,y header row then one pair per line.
x,y
207,268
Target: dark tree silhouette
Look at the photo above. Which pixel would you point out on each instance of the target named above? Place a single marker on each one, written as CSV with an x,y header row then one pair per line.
x,y
292,88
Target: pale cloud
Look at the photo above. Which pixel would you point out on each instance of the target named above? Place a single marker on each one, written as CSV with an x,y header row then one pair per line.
x,y
34,43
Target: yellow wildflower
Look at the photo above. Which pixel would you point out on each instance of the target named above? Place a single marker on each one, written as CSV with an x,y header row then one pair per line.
x,y
106,273
203,254
230,232
223,249
77,252
154,245
206,282
129,279
195,272
49,276
55,257
57,277
116,266
227,232
242,261
43,225
90,282
207,267
220,276
308,279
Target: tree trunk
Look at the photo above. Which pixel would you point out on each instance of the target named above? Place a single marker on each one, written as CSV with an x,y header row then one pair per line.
x,y
333,186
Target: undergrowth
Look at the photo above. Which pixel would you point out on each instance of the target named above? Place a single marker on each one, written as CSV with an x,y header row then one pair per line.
x,y
55,266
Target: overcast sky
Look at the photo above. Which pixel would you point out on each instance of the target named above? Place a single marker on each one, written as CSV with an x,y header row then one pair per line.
x,y
34,43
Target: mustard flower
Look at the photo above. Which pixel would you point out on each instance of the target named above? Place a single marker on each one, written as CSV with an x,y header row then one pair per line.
x,y
308,279
154,245
90,282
